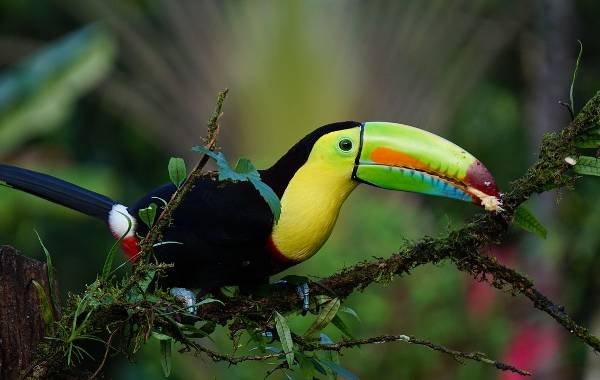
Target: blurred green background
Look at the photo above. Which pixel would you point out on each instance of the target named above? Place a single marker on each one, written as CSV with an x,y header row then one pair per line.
x,y
103,92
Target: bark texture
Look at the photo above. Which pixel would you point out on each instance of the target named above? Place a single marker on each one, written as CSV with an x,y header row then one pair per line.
x,y
21,323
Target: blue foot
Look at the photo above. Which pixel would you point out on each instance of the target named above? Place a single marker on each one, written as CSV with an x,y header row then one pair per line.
x,y
187,297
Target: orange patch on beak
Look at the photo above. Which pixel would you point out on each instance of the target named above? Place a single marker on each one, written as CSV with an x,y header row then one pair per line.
x,y
392,157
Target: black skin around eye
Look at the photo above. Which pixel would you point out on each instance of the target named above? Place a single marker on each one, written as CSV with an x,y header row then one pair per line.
x,y
345,145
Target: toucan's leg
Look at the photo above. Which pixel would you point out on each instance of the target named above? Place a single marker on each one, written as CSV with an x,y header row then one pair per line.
x,y
187,297
303,293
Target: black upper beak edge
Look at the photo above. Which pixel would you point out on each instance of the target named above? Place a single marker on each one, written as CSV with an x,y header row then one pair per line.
x,y
358,154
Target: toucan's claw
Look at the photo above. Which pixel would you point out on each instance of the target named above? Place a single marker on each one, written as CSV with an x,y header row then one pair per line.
x,y
304,293
302,289
187,297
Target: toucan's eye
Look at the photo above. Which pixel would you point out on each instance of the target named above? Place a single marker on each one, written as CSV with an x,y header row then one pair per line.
x,y
345,145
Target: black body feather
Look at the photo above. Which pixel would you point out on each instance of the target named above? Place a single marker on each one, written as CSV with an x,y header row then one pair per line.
x,y
219,233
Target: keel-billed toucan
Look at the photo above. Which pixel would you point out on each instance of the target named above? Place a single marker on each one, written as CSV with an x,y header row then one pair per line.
x,y
225,231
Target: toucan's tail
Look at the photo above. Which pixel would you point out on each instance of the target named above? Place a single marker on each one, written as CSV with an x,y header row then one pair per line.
x,y
57,191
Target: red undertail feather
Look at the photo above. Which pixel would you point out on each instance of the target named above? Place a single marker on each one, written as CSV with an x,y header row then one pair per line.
x,y
130,246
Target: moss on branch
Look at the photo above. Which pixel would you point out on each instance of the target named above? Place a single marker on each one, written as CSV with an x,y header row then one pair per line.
x,y
135,316
462,247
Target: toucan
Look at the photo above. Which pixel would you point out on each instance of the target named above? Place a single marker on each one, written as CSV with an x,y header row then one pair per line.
x,y
224,233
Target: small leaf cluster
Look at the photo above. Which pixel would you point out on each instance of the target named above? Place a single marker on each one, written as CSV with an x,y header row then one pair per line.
x,y
298,362
127,312
584,164
244,170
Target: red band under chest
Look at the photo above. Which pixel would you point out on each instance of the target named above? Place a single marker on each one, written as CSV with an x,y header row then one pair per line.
x,y
276,254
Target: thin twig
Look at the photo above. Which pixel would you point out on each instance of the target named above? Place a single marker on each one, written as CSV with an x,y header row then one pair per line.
x,y
510,280
475,356
568,107
233,360
106,352
339,346
154,235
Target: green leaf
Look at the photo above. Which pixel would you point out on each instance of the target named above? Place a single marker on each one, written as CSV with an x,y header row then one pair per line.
x,y
285,337
310,366
209,327
46,308
217,156
245,166
587,166
110,258
143,285
148,214
49,270
138,293
305,366
339,323
165,356
160,336
226,172
209,300
270,197
589,139
260,339
339,370
177,171
321,299
193,332
229,174
526,220
326,315
317,365
575,76
244,171
350,311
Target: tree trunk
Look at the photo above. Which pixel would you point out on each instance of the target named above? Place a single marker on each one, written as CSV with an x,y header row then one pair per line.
x,y
21,323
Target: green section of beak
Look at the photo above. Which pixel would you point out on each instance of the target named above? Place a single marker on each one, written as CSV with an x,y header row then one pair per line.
x,y
401,157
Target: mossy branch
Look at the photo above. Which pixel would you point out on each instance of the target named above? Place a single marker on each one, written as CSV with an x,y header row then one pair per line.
x,y
462,247
253,313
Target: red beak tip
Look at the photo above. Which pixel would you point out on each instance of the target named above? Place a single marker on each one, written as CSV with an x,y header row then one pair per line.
x,y
481,179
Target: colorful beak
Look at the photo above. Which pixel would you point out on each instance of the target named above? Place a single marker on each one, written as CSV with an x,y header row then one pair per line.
x,y
401,157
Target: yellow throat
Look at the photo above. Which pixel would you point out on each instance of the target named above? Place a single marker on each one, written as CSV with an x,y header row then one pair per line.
x,y
312,200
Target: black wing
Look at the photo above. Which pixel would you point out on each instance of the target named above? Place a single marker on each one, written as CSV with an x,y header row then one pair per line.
x,y
218,234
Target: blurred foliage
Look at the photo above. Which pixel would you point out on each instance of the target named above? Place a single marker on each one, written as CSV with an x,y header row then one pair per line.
x,y
38,94
459,68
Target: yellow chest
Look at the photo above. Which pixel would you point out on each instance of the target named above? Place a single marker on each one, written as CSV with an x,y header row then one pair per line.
x,y
309,209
